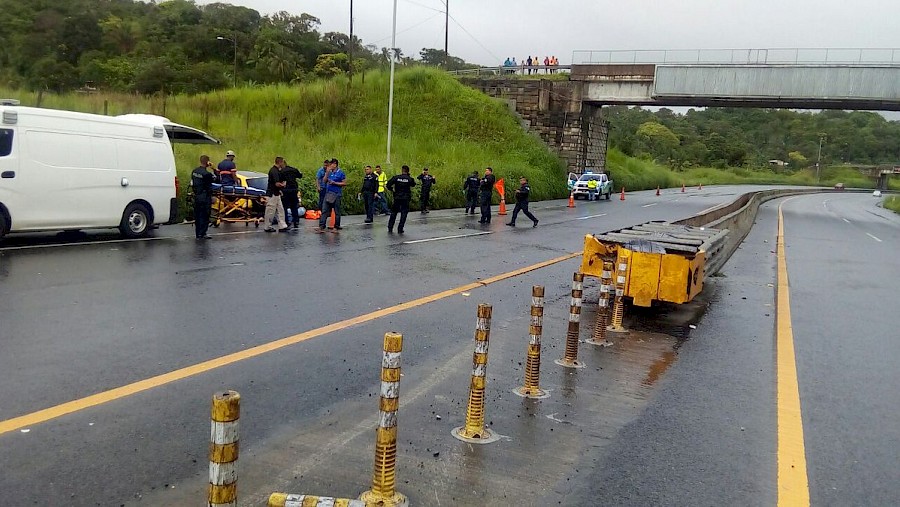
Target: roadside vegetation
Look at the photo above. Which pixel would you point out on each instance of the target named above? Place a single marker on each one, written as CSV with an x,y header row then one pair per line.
x,y
893,203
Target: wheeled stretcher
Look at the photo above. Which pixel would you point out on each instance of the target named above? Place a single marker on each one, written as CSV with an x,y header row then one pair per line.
x,y
236,204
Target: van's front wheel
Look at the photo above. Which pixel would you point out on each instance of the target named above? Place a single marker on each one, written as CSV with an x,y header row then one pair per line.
x,y
135,221
4,222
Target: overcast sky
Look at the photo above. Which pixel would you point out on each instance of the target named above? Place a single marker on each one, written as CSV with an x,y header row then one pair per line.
x,y
488,31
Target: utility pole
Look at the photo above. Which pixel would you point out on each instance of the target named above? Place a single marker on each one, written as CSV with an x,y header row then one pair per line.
x,y
446,31
233,40
819,156
350,45
391,95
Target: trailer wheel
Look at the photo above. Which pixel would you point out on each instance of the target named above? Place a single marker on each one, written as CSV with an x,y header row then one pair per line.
x,y
135,221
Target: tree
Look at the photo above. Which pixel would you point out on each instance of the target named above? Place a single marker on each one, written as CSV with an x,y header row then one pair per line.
x,y
797,159
331,65
660,141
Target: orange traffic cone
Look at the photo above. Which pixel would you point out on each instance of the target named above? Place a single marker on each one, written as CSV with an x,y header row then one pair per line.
x,y
682,188
622,197
502,206
331,224
571,200
657,190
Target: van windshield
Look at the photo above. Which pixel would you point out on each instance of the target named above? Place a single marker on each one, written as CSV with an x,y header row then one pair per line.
x,y
6,139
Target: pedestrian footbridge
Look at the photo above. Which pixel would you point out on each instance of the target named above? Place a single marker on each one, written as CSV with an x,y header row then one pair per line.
x,y
861,79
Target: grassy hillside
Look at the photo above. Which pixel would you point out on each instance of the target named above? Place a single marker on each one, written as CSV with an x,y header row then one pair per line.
x,y
438,123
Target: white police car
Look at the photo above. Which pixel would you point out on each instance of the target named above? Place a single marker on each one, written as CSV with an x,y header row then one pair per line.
x,y
578,184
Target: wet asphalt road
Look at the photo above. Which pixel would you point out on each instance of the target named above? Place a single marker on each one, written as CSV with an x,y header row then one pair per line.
x,y
657,419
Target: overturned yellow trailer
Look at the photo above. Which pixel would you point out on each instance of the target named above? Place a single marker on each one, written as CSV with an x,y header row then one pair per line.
x,y
662,261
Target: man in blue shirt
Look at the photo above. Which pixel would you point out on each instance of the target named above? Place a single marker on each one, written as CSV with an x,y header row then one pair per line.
x,y
320,182
335,180
227,169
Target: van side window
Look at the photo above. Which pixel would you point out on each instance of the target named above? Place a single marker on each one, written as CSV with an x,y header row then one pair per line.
x,y
6,139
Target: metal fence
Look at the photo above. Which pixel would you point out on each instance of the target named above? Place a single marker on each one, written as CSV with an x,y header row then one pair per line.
x,y
778,56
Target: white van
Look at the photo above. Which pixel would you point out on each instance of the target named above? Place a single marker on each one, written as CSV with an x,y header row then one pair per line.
x,y
61,170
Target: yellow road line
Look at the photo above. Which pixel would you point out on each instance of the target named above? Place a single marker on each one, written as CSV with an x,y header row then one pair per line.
x,y
793,483
93,400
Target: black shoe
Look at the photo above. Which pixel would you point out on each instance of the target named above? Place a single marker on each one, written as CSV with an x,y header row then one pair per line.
x,y
399,231
510,224
535,223
269,229
427,211
368,221
296,226
284,229
390,231
338,228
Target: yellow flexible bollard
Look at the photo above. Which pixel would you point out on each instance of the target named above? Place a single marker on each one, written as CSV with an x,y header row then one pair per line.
x,y
532,389
223,449
618,310
474,430
286,500
385,476
570,359
603,307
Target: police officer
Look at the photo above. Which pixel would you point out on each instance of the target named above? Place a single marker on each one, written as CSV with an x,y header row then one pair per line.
x,y
368,192
201,182
290,194
470,187
522,203
427,180
381,199
401,186
486,190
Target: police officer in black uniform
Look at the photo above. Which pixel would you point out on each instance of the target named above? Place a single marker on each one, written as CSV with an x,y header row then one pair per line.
x,y
427,180
290,194
369,189
486,190
201,182
470,187
401,186
522,202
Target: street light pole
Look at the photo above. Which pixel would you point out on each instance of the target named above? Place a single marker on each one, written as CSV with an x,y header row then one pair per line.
x,y
391,94
234,41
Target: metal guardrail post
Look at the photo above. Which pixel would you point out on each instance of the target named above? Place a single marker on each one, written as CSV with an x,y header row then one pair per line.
x,y
223,449
618,311
532,389
604,307
474,430
570,358
385,476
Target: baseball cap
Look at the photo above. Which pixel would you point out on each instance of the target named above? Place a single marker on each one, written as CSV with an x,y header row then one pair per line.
x,y
229,153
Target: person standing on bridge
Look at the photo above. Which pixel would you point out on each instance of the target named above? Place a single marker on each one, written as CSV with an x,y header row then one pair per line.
x,y
401,186
201,182
427,181
522,195
470,187
486,191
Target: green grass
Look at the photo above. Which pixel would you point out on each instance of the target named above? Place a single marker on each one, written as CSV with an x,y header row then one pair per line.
x,y
638,174
892,203
438,123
